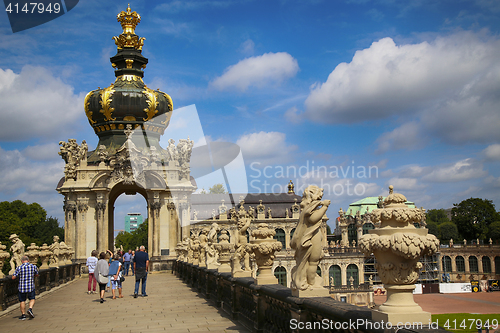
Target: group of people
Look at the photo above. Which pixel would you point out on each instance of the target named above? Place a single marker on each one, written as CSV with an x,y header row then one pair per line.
x,y
110,270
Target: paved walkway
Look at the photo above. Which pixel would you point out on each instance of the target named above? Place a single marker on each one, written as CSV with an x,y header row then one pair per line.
x,y
171,306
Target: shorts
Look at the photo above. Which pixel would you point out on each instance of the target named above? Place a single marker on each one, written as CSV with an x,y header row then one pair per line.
x,y
116,284
29,295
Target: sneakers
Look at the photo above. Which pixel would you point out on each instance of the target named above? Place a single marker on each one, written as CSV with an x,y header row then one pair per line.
x,y
23,317
30,312
89,292
102,300
144,295
135,295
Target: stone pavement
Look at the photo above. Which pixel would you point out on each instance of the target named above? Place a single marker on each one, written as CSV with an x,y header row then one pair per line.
x,y
171,306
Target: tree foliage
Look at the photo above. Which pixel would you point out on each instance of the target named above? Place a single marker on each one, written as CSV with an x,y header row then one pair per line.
x,y
433,229
437,215
134,239
29,222
217,189
495,231
473,217
448,230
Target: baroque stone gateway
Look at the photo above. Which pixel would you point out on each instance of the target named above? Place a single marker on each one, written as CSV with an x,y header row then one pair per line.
x,y
129,118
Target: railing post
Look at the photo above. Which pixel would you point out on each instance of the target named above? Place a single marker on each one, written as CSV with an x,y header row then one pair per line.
x,y
2,293
260,311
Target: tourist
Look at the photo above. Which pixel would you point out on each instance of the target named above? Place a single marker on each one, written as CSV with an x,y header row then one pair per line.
x,y
131,262
141,263
126,261
101,272
109,258
26,273
115,274
91,262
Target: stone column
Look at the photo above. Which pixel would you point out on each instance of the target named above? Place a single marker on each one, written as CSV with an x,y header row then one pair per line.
x,y
100,211
69,221
343,273
81,232
453,264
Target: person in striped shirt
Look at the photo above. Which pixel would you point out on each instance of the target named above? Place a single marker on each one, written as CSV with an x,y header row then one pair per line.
x,y
26,273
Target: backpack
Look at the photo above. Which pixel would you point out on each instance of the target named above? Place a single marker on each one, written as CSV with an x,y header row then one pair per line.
x,y
113,268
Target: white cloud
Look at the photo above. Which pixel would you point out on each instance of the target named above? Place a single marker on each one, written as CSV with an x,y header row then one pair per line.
x,y
257,71
406,136
405,184
450,86
492,152
292,115
35,103
247,47
462,170
267,148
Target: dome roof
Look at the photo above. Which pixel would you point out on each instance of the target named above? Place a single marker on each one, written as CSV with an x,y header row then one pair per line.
x,y
128,100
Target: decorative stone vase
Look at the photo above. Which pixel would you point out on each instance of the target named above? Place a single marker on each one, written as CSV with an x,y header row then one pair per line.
x,y
264,246
3,256
397,245
224,248
44,254
196,252
33,253
69,255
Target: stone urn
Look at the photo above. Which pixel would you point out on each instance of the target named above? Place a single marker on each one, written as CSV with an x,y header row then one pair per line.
x,y
224,248
196,252
263,246
44,254
398,245
69,255
3,256
33,253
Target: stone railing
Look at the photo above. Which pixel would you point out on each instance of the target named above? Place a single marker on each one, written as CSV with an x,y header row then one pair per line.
x,y
272,308
46,280
344,249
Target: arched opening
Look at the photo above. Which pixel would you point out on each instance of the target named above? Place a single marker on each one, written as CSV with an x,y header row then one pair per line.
x,y
497,265
446,263
280,273
336,275
130,222
280,236
121,205
352,270
318,271
460,263
473,266
291,234
486,264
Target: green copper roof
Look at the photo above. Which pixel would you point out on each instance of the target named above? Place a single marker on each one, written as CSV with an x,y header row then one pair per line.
x,y
370,203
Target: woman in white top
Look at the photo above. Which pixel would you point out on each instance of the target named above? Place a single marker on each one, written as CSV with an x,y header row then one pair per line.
x,y
101,273
91,263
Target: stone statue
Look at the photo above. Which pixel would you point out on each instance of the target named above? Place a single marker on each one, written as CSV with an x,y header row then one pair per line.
x,y
269,213
477,242
203,247
491,242
251,212
3,255
213,214
17,250
307,241
54,248
351,281
465,242
172,153
241,253
195,215
353,243
211,253
451,242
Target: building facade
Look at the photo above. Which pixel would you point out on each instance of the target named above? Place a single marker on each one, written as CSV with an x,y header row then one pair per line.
x,y
132,221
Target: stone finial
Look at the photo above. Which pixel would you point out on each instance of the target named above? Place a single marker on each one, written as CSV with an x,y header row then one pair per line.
x,y
291,188
33,253
264,246
45,254
224,248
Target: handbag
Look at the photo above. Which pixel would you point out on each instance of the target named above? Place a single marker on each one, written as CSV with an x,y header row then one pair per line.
x,y
102,279
122,278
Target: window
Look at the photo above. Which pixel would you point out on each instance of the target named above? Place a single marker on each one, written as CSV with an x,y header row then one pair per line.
x,y
318,271
352,234
291,233
366,227
280,273
473,267
352,270
280,236
460,262
497,265
336,274
446,264
486,264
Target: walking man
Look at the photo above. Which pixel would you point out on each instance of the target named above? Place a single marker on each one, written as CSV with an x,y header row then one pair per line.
x,y
141,264
26,273
126,261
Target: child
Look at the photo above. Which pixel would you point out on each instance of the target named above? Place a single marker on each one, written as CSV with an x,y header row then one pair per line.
x,y
115,273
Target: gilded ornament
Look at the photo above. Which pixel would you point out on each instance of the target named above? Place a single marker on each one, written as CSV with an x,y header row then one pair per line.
x,y
86,104
129,78
170,107
152,103
106,102
128,20
129,62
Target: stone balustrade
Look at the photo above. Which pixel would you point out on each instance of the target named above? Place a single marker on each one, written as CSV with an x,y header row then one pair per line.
x,y
46,280
272,308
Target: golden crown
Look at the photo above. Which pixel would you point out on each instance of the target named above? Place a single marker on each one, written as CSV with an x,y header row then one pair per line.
x,y
128,20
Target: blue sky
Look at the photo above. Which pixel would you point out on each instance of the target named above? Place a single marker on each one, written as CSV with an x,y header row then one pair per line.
x,y
410,88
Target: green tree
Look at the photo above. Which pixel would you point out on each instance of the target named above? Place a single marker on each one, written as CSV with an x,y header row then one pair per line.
x,y
433,228
473,217
328,230
448,230
495,231
217,189
134,239
437,215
